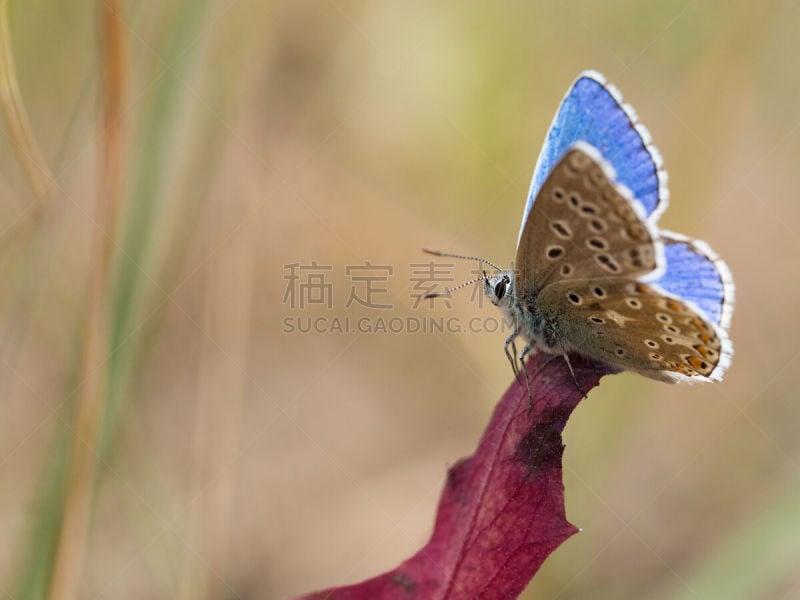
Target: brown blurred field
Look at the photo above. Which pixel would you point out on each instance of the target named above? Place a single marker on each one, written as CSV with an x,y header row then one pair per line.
x,y
235,460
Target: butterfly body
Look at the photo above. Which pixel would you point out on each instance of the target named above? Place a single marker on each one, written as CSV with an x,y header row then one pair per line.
x,y
594,274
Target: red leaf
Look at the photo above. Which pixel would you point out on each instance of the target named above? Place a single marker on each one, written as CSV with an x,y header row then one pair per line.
x,y
502,510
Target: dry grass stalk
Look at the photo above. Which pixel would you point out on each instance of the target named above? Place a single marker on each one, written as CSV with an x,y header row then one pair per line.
x,y
89,409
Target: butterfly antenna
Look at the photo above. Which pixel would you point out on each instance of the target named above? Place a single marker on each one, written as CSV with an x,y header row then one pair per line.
x,y
448,291
448,255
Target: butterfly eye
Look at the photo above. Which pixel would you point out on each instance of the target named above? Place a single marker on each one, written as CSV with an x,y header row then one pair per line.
x,y
500,289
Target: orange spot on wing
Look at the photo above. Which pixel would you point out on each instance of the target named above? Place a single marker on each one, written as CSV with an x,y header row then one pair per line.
x,y
698,363
699,325
704,352
674,305
682,369
637,232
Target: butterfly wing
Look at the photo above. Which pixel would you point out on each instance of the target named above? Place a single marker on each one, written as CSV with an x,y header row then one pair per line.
x,y
588,246
593,111
695,272
584,226
638,327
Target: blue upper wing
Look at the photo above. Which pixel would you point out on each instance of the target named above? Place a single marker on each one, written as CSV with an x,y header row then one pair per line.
x,y
695,273
593,112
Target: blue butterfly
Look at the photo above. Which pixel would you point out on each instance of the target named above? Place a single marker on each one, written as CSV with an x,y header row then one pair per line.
x,y
594,273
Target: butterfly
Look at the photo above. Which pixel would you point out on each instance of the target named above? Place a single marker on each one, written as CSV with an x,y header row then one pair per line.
x,y
594,273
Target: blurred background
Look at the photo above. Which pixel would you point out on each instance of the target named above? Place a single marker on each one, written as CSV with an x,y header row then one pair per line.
x,y
281,164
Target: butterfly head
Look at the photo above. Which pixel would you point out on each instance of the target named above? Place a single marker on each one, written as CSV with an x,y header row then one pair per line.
x,y
499,288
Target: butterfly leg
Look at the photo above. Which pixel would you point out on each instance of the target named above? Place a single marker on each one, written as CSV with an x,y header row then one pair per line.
x,y
530,346
512,356
575,379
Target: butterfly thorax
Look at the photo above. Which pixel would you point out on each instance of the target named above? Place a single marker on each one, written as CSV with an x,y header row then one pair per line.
x,y
523,312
